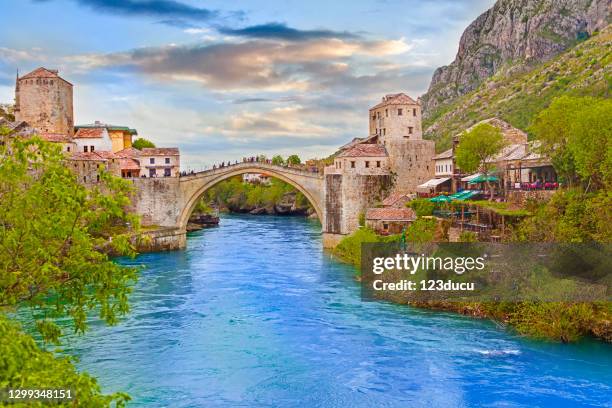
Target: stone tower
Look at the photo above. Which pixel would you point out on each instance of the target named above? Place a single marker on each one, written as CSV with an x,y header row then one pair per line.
x,y
44,100
396,121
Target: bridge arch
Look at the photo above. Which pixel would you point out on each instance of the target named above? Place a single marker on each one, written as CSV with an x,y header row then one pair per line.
x,y
194,186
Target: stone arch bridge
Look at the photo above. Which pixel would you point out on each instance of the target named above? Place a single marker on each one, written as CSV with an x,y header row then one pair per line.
x,y
168,202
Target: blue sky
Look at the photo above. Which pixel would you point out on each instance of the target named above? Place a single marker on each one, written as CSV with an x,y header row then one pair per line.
x,y
222,80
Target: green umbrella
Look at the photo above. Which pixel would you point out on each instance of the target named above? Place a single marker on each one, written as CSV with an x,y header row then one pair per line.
x,y
441,199
481,179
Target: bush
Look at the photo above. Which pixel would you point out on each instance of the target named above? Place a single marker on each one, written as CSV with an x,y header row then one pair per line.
x,y
421,206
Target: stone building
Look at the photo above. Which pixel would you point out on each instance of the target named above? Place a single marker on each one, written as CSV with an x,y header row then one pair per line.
x,y
396,123
87,165
394,158
389,220
43,99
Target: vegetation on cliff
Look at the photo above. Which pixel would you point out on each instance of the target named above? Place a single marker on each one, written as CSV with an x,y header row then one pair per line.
x,y
53,263
512,37
517,98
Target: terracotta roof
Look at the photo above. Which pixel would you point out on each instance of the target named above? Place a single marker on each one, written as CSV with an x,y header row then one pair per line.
x,y
395,99
128,153
89,133
391,214
43,73
129,164
55,137
393,198
93,156
447,154
365,150
160,151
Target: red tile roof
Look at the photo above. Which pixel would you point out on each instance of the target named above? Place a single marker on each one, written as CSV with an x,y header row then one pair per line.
x,y
391,214
89,133
365,150
93,156
55,137
129,164
160,151
395,99
128,153
393,198
43,73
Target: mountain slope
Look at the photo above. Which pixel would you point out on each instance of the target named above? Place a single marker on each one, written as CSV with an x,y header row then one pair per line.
x,y
514,36
517,98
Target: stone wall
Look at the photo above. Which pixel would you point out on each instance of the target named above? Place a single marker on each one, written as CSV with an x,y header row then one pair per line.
x,y
158,201
359,193
412,163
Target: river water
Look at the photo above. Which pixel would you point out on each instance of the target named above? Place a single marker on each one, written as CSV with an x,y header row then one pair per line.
x,y
254,314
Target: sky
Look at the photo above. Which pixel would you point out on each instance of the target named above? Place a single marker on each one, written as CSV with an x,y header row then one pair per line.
x,y
224,80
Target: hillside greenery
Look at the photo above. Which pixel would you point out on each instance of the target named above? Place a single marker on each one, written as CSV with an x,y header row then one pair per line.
x,y
517,97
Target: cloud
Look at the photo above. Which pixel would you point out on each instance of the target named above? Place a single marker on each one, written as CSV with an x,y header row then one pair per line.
x,y
275,66
155,8
280,31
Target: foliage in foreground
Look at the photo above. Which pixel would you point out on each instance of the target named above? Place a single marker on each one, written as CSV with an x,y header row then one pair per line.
x,y
53,232
24,365
54,239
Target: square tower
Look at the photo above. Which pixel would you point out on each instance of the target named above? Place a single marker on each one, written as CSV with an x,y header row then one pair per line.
x,y
44,100
396,123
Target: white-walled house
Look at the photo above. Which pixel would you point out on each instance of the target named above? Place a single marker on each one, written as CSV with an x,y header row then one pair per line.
x,y
89,140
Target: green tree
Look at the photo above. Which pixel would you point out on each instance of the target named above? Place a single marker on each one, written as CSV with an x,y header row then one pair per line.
x,y
294,159
477,148
278,160
54,240
141,143
576,134
53,232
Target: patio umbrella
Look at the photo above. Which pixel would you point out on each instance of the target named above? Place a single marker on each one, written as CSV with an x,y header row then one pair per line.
x,y
482,178
441,199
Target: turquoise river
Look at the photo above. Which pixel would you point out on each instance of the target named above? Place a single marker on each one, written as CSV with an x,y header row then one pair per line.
x,y
255,314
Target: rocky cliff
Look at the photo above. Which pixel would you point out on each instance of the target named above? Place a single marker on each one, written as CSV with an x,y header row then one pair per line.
x,y
514,35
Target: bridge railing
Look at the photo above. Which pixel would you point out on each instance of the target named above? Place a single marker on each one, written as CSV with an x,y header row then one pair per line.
x,y
257,164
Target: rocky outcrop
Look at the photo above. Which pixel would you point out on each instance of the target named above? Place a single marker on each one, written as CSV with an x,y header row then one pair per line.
x,y
513,36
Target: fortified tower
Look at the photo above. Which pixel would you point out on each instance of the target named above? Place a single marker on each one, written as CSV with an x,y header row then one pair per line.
x,y
44,100
396,123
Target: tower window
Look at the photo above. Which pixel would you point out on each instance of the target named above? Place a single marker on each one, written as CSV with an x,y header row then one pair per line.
x,y
367,164
384,131
410,129
413,111
91,148
85,149
152,160
167,160
399,112
352,164
387,113
377,163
